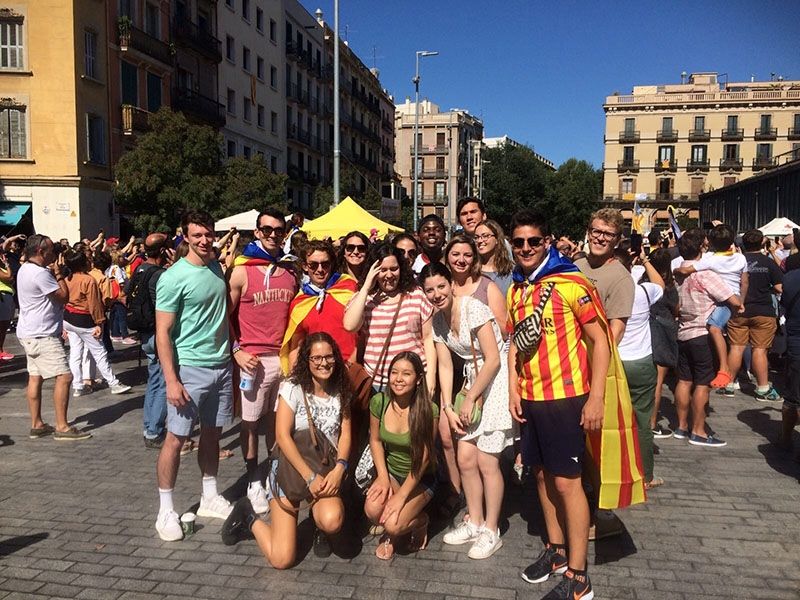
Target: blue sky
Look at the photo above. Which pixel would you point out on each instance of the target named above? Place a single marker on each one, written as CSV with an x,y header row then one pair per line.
x,y
539,71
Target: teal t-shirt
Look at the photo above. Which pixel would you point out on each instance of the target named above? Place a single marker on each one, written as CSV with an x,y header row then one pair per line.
x,y
397,446
198,297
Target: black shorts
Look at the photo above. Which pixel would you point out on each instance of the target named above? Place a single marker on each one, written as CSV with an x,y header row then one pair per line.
x,y
696,360
552,437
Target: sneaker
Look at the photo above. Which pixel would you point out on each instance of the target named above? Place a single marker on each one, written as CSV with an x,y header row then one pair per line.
x,y
488,543
569,588
168,526
153,443
322,545
711,441
84,390
120,388
549,563
771,395
462,533
40,432
129,341
237,526
214,508
258,498
99,384
680,434
729,391
661,432
71,435
6,356
116,338
737,385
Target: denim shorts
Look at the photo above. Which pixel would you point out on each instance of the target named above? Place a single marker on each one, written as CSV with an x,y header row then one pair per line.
x,y
719,317
211,393
428,483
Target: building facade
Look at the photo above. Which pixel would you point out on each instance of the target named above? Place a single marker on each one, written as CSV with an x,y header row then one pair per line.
x,y
496,142
447,143
54,116
667,144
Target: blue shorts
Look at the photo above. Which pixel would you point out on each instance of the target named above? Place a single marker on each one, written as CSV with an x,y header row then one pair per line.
x,y
719,317
211,393
552,437
428,483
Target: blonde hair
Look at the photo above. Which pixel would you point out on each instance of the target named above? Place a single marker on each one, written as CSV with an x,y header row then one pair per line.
x,y
612,216
460,238
503,264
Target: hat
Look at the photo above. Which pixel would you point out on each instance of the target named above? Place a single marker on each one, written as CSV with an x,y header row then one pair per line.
x,y
112,240
373,231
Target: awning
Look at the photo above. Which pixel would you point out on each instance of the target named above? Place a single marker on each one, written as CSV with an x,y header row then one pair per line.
x,y
12,212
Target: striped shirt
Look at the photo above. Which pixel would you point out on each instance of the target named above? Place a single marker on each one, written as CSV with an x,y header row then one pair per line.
x,y
560,368
407,334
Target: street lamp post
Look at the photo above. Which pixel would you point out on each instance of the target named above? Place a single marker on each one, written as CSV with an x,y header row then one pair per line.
x,y
415,81
336,140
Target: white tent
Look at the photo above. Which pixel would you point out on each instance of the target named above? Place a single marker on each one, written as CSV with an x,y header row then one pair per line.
x,y
779,226
245,221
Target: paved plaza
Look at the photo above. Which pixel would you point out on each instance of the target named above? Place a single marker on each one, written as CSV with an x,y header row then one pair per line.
x,y
76,521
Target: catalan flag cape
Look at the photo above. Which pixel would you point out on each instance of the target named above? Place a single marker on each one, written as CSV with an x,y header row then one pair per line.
x,y
615,448
255,255
340,288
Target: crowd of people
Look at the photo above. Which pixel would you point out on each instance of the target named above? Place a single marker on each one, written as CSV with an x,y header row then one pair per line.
x,y
382,374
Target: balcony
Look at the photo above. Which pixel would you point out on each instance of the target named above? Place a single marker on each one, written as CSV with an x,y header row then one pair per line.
x,y
628,165
388,125
430,174
366,131
730,164
431,149
667,135
371,103
134,120
658,200
432,200
299,135
698,164
200,40
629,137
365,162
764,162
131,38
198,106
794,133
666,165
732,135
699,135
766,133
296,93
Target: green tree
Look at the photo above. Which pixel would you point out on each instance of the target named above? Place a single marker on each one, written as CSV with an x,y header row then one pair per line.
x,y
247,184
572,196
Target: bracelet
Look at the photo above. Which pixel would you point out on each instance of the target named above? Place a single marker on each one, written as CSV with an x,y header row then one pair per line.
x,y
310,479
446,406
343,462
235,348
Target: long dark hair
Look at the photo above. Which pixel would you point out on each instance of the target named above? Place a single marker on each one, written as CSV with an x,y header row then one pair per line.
x,y
420,415
338,384
661,260
342,266
432,270
378,252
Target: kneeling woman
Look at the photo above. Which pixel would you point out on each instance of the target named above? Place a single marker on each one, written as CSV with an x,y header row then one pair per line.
x,y
401,436
321,376
468,328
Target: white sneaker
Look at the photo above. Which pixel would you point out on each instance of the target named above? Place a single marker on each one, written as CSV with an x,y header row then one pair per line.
x,y
462,533
214,508
120,388
168,526
258,498
487,544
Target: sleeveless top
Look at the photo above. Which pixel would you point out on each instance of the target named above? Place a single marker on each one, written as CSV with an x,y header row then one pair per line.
x,y
263,310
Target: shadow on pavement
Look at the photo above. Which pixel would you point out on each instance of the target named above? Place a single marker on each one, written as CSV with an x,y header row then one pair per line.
x,y
613,549
15,544
780,460
108,414
5,440
761,422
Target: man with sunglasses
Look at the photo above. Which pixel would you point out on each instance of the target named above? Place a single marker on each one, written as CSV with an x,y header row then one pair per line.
x,y
261,290
431,235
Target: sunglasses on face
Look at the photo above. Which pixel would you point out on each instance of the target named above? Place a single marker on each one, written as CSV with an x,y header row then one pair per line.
x,y
410,253
313,265
353,248
533,242
267,231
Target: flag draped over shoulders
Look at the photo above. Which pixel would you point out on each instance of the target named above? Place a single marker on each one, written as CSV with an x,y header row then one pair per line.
x,y
255,255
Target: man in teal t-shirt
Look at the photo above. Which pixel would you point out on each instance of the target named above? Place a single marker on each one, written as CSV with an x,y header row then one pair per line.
x,y
194,351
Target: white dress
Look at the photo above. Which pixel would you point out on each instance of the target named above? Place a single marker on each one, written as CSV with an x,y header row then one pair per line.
x,y
496,428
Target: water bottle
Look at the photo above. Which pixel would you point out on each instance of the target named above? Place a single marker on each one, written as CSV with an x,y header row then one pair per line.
x,y
245,380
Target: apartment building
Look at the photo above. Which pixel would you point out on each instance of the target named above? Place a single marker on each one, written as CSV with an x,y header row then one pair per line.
x,y
447,142
251,80
666,144
54,118
496,142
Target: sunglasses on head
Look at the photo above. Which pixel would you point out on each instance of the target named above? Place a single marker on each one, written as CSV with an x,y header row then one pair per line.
x,y
533,242
362,248
313,265
267,231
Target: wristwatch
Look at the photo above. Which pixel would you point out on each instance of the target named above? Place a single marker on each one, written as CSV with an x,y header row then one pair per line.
x,y
310,479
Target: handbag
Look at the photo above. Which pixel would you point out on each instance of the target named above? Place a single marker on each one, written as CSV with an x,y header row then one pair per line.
x,y
366,472
477,407
663,337
528,332
361,384
317,452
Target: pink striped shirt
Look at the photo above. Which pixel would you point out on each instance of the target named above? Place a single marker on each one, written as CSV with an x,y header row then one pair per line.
x,y
407,334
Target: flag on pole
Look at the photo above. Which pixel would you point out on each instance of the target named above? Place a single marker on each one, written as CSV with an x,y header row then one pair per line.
x,y
673,222
636,219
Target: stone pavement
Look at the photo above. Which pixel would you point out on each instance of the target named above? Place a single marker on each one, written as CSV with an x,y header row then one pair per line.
x,y
76,521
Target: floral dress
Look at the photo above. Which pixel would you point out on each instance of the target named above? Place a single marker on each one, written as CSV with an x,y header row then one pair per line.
x,y
496,428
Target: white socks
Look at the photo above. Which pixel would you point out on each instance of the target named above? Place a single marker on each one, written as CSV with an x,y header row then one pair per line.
x,y
209,487
165,497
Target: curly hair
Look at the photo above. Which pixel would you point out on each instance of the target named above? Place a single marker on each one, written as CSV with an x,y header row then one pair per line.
x,y
342,265
503,264
381,251
319,246
610,216
461,238
338,384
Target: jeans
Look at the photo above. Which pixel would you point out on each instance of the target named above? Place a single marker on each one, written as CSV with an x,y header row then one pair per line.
x,y
80,338
118,316
641,375
155,396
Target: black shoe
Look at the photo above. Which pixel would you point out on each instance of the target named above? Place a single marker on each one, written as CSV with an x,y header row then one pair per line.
x,y
569,588
237,526
661,432
322,545
549,563
154,443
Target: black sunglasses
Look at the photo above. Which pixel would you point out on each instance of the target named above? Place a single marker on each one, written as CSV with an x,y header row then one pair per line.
x,y
533,242
268,231
355,248
313,265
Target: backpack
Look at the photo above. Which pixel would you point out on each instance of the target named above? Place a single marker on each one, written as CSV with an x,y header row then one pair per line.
x,y
141,307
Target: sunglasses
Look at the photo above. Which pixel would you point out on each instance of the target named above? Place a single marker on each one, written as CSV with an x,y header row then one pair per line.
x,y
410,253
533,242
352,248
313,265
268,231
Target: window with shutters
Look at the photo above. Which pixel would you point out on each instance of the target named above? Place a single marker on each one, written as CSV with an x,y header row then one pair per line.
x,y
95,139
90,67
12,50
13,132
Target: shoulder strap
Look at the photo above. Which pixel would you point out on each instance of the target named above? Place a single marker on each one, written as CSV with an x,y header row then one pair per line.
x,y
311,427
382,356
649,304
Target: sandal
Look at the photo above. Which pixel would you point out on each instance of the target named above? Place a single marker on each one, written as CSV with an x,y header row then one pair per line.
x,y
376,529
418,540
188,446
721,380
653,483
225,454
385,549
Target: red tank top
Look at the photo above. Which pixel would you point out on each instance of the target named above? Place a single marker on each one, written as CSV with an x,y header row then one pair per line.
x,y
263,311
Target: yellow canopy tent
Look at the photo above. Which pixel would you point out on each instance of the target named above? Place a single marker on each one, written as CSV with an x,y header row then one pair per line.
x,y
344,218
